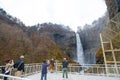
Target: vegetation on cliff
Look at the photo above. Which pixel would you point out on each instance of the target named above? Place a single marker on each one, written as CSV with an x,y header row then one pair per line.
x,y
36,43
112,31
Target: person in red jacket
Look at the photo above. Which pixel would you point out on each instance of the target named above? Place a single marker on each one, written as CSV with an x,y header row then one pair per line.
x,y
52,65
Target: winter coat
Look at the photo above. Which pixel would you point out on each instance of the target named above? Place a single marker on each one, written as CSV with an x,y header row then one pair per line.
x,y
8,67
65,63
44,68
19,65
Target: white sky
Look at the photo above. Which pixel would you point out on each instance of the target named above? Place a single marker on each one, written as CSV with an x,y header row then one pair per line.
x,y
71,13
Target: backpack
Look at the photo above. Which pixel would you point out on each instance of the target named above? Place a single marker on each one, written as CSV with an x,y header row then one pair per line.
x,y
3,69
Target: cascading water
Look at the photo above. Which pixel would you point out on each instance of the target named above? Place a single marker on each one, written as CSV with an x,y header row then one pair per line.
x,y
80,54
83,58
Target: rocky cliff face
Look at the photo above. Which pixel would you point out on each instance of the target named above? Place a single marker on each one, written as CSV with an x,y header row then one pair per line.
x,y
113,7
62,36
90,38
90,34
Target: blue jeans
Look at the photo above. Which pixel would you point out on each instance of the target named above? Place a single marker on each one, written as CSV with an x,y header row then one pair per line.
x,y
44,75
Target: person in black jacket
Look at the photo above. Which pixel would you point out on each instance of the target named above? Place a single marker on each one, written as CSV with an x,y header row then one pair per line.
x,y
20,66
65,66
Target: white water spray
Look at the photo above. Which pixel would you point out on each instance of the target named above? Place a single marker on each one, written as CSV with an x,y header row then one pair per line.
x,y
80,54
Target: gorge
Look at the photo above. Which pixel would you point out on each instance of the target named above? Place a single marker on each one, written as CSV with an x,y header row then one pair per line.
x,y
48,40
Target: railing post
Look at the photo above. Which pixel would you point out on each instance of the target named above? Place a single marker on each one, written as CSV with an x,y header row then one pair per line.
x,y
70,68
56,66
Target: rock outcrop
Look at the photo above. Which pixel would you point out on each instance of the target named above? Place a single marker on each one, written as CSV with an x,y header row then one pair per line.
x,y
90,38
113,7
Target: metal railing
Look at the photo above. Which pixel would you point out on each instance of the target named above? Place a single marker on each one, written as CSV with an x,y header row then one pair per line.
x,y
29,70
32,68
92,69
86,69
11,77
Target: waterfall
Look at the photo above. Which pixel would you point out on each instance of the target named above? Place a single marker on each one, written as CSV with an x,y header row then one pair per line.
x,y
80,54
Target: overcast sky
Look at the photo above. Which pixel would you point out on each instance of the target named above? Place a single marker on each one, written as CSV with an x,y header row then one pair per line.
x,y
71,13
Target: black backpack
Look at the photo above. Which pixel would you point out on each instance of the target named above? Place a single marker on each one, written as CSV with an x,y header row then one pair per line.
x,y
3,69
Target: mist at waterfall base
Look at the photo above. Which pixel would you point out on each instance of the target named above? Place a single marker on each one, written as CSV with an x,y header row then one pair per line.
x,y
88,58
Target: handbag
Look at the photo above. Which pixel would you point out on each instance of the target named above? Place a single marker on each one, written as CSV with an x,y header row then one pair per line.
x,y
6,72
15,69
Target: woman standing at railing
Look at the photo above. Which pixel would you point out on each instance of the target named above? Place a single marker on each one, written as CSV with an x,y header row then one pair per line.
x,y
8,67
52,65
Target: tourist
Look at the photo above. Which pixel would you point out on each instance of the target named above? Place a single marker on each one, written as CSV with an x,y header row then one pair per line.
x,y
8,68
52,65
20,66
65,66
44,70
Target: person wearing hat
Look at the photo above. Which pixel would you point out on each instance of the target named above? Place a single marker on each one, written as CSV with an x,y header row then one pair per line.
x,y
19,65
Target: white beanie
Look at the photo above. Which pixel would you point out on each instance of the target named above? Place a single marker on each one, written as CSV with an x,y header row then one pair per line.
x,y
21,56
